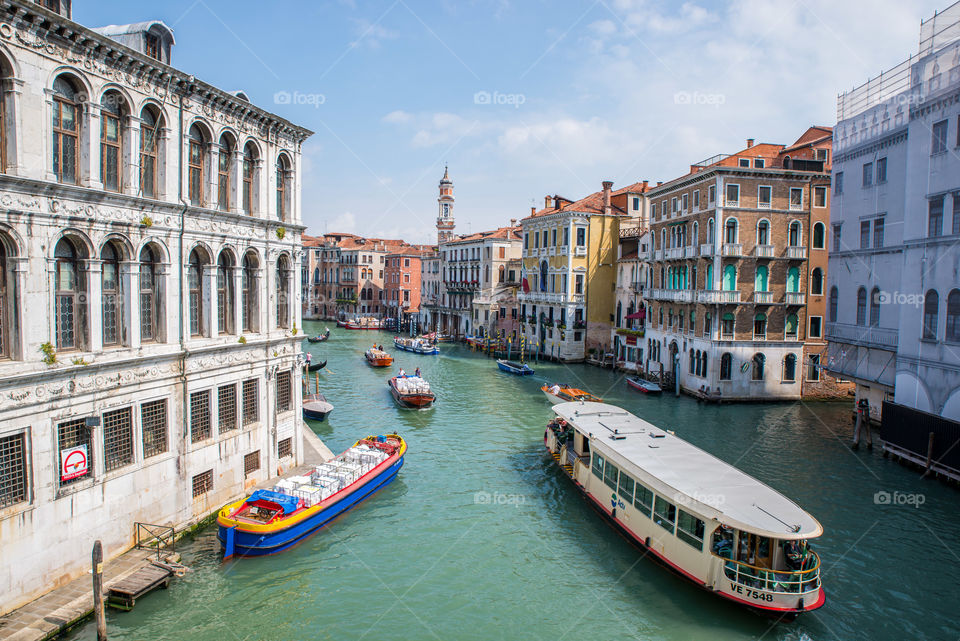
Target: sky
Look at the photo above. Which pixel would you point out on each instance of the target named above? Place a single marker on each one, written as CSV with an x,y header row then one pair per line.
x,y
522,98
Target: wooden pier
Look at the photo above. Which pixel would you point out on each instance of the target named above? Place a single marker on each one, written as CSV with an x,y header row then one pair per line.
x,y
123,594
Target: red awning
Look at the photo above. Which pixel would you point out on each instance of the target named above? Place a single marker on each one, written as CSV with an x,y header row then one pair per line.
x,y
641,314
526,286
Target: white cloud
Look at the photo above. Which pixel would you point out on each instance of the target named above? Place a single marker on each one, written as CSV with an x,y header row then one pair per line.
x,y
372,34
397,117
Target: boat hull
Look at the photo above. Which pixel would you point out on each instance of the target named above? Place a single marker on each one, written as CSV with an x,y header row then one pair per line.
x,y
246,543
380,362
411,401
650,388
516,371
315,415
417,350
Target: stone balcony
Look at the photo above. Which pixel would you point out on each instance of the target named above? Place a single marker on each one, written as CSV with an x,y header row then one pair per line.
x,y
763,298
763,251
733,249
794,298
579,251
673,253
706,249
795,253
657,254
718,296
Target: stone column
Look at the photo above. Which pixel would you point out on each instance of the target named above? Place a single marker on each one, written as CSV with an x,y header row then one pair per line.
x,y
14,150
235,275
164,310
93,270
130,303
209,295
130,156
236,181
88,156
18,269
210,200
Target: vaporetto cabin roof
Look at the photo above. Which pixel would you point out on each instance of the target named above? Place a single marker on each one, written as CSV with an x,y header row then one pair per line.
x,y
684,474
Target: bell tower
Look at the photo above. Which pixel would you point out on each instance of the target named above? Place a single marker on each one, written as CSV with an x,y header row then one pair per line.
x,y
445,222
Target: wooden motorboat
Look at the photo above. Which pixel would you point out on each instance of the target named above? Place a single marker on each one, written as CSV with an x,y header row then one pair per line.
x,y
512,367
319,338
316,407
415,345
560,393
378,358
270,521
363,322
341,323
641,385
411,391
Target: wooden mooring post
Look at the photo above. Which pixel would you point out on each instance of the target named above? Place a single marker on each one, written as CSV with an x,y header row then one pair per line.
x,y
98,591
926,469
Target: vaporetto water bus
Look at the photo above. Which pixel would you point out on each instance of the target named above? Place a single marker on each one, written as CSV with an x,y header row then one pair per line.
x,y
705,519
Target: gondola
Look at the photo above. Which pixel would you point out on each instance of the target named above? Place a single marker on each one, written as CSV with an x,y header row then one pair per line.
x,y
317,367
319,338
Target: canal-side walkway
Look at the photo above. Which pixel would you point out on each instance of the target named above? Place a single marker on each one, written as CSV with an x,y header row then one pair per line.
x,y
60,610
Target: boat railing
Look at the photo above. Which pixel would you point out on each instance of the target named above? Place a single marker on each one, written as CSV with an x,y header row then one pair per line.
x,y
770,580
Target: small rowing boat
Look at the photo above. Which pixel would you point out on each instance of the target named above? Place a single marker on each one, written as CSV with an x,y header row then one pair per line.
x,y
415,345
560,393
647,387
316,407
411,392
319,338
378,358
270,521
511,367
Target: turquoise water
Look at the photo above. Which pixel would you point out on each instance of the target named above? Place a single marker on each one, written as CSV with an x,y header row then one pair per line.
x,y
481,537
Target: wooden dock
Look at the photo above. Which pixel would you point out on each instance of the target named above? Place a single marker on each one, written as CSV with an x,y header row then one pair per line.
x,y
123,594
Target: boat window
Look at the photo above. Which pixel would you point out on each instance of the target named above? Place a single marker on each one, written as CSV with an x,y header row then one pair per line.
x,y
643,499
664,513
598,466
610,472
690,529
626,488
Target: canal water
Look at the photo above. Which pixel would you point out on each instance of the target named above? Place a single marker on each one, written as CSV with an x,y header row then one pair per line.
x,y
481,537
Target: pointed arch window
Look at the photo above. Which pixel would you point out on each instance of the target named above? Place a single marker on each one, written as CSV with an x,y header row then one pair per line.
x,y
726,366
816,282
931,309
789,368
819,236
66,130
730,231
761,281
149,142
196,144
953,316
794,234
729,277
791,323
111,140
763,233
875,307
111,296
793,280
282,187
758,363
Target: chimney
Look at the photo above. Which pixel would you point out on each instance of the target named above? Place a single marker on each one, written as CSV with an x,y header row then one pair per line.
x,y
533,210
749,143
607,184
513,222
659,182
546,202
556,202
644,188
694,169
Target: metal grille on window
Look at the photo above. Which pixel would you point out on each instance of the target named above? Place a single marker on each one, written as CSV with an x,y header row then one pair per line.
x,y
251,403
285,448
227,408
153,423
146,303
283,392
199,416
251,463
72,434
202,483
117,438
13,470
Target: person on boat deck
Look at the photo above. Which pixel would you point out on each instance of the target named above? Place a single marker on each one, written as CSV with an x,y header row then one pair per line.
x,y
308,358
380,347
555,389
417,373
402,373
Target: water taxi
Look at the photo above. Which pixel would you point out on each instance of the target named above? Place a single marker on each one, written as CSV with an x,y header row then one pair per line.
x,y
411,391
363,322
705,519
642,385
378,358
560,393
415,345
270,521
512,367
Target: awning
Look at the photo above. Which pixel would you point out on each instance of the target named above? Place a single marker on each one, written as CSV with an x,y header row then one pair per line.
x,y
639,314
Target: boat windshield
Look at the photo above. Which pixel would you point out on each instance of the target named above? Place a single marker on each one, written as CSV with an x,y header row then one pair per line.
x,y
761,562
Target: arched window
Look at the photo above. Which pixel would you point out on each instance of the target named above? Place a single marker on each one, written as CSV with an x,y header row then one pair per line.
x,y
224,155
789,368
196,286
225,293
730,231
816,282
486,274
833,304
500,273
875,307
283,292
761,281
111,295
696,234
709,283
150,299
819,236
758,361
727,325
70,310
282,187
150,125
248,286
249,161
111,140
729,277
763,232
703,366
6,308
711,232
795,234
760,327
931,309
862,306
793,280
195,152
66,130
693,361
791,322
619,313
726,366
953,315
543,276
